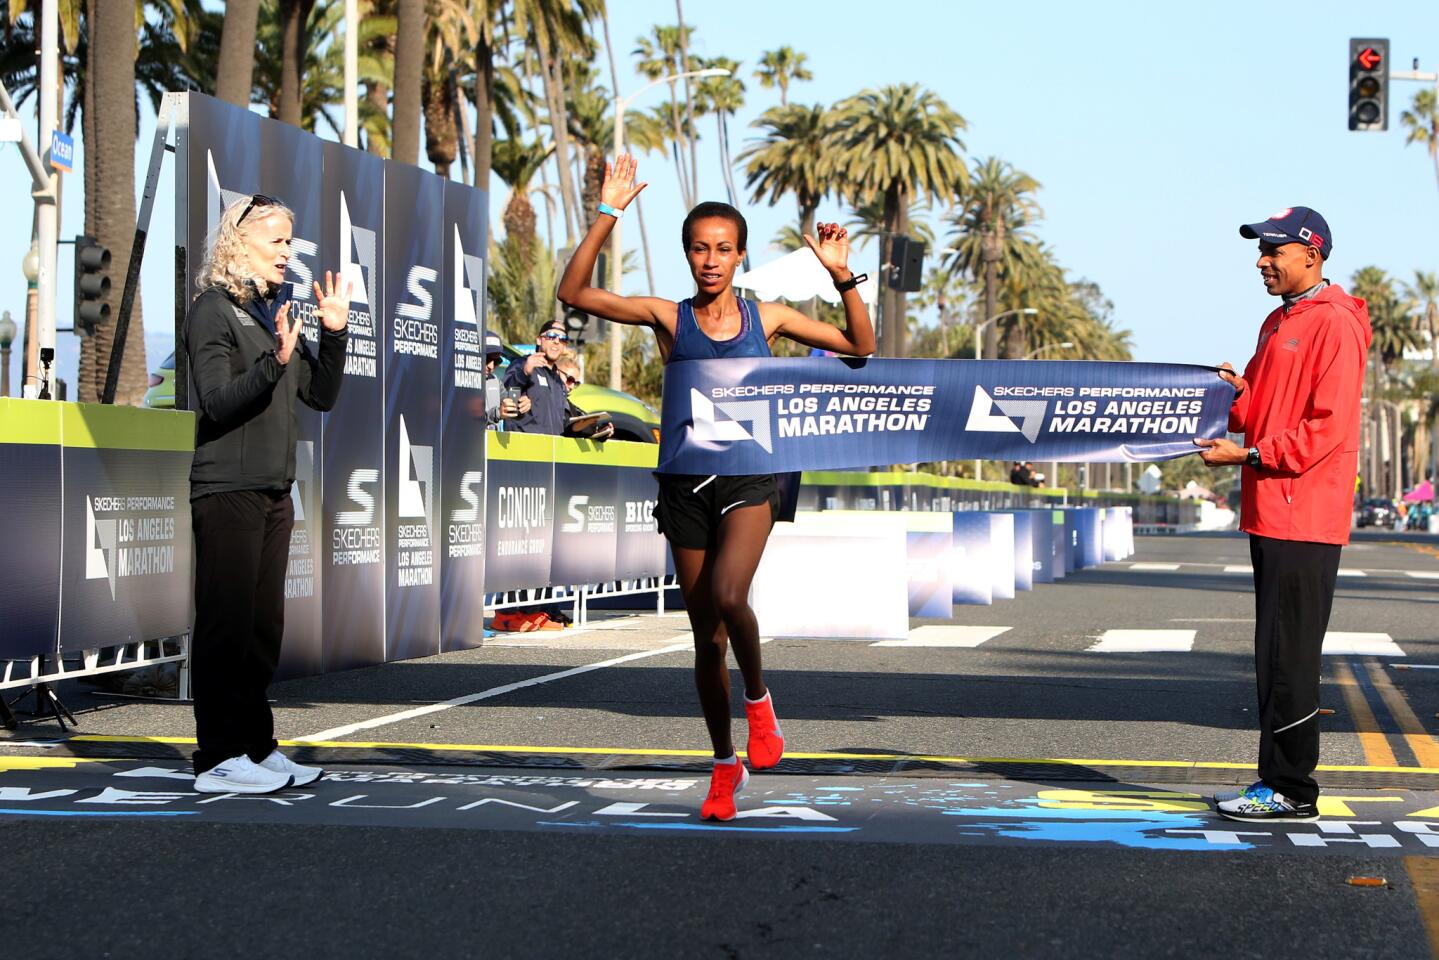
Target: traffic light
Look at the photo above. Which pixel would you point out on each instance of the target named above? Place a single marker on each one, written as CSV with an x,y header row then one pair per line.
x,y
582,327
92,286
1368,84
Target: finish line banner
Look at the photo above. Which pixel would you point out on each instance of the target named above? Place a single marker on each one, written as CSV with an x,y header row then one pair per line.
x,y
775,415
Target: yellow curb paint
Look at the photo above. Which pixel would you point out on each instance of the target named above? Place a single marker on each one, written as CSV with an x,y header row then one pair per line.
x,y
1424,873
1426,751
654,752
41,763
1331,806
1376,747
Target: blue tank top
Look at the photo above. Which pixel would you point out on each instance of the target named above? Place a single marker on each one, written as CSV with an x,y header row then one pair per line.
x,y
692,343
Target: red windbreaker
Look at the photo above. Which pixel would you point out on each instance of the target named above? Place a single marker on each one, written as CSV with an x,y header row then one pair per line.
x,y
1302,411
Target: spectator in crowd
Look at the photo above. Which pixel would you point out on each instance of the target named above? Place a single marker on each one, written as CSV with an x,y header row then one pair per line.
x,y
1021,475
498,407
1035,479
568,370
538,381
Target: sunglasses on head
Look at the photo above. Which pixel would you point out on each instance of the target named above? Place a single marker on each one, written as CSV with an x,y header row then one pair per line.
x,y
257,200
555,335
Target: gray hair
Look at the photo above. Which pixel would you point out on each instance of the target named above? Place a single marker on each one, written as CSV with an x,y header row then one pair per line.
x,y
227,263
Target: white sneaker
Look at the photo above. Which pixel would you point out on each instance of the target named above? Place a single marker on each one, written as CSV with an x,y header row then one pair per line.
x,y
303,776
241,775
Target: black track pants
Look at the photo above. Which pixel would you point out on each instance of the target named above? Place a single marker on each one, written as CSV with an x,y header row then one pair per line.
x,y
242,545
1293,594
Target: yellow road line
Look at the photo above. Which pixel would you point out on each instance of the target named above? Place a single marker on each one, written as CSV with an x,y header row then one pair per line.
x,y
1424,873
652,752
41,763
1426,751
1376,747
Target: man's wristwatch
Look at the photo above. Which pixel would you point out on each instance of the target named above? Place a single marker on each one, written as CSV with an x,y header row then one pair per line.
x,y
854,280
1253,459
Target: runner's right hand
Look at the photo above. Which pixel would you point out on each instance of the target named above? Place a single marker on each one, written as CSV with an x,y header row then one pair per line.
x,y
619,186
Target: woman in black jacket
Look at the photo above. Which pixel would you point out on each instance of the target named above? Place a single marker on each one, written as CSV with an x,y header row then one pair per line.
x,y
248,365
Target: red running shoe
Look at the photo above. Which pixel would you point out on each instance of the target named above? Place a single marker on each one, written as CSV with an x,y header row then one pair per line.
x,y
727,780
766,740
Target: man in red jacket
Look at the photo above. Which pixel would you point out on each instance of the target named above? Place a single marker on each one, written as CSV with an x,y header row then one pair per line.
x,y
1298,408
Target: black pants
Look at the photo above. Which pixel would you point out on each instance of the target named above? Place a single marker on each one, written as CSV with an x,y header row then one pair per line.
x,y
1293,594
242,545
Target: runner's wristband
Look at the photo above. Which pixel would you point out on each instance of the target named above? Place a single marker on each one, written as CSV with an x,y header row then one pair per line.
x,y
854,281
611,211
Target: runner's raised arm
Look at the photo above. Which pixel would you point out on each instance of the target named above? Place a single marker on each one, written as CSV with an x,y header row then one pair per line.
x,y
575,290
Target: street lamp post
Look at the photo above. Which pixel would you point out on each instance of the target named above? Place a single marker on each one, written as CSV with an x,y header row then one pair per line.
x,y
617,254
30,266
1066,345
7,337
979,335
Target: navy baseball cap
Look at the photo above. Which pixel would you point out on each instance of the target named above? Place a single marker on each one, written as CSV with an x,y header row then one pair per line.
x,y
493,345
1292,225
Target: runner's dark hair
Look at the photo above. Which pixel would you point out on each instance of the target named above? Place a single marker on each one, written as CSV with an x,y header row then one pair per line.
x,y
714,209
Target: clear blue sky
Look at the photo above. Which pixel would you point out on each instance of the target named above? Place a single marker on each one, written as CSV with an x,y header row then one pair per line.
x,y
1155,131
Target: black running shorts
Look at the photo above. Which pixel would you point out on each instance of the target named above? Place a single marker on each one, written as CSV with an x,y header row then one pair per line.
x,y
691,507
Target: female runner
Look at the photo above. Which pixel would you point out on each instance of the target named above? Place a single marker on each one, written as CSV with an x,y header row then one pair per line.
x,y
717,526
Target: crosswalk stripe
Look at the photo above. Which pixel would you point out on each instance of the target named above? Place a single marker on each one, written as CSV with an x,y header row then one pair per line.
x,y
945,635
1351,572
1423,574
1338,643
1238,568
1144,641
1154,566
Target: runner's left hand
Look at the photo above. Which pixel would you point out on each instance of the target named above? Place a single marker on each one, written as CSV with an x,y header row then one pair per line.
x,y
832,248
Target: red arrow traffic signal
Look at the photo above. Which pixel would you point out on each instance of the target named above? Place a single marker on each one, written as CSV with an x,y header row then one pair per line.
x,y
1370,58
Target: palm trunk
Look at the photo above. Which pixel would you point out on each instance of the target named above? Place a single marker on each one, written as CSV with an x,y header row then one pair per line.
x,y
294,32
686,197
109,131
484,113
409,67
378,94
234,75
442,136
645,245
555,99
991,297
689,105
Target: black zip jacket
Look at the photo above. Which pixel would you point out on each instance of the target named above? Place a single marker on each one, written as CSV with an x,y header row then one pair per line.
x,y
245,398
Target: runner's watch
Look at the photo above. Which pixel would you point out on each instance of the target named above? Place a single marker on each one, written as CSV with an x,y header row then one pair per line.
x,y
854,280
1253,458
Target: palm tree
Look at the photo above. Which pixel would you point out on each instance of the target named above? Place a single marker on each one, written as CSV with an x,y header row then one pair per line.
x,y
723,96
321,69
898,143
785,158
409,69
234,75
989,231
377,72
779,68
453,32
1422,119
1423,297
516,163
556,30
660,56
110,124
294,21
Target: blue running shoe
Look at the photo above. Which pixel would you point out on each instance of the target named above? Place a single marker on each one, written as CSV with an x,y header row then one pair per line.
x,y
1259,803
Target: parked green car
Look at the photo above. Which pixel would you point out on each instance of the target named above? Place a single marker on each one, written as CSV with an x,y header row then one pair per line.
x,y
634,419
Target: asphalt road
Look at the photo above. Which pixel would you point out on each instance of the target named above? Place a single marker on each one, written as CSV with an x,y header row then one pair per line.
x,y
1031,781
